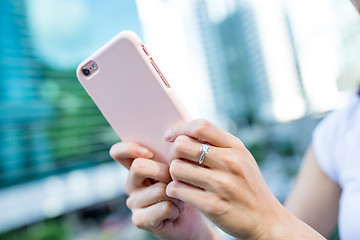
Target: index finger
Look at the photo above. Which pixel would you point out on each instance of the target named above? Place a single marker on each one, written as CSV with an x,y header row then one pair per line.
x,y
143,169
203,131
125,152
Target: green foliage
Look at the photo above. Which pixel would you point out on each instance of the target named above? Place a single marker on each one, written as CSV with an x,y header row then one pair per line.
x,y
78,125
49,230
285,148
259,150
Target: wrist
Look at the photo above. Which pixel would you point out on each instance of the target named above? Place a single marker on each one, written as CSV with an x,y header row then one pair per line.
x,y
287,226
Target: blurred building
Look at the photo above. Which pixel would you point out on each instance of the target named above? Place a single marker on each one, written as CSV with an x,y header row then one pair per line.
x,y
318,46
54,142
263,60
280,57
24,143
349,28
246,56
246,64
172,34
234,60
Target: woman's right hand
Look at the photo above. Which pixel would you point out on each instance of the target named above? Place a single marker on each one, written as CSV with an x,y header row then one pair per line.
x,y
152,209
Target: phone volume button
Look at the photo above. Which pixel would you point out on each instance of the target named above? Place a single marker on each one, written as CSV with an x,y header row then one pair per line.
x,y
164,80
160,73
154,65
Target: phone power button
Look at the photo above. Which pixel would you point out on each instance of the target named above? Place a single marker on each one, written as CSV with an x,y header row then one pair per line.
x,y
160,73
144,49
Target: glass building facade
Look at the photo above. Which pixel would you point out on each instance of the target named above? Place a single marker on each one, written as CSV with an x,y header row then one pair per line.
x,y
267,70
48,124
236,64
54,142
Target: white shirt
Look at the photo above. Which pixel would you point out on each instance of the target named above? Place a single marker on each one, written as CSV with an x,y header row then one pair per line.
x,y
336,142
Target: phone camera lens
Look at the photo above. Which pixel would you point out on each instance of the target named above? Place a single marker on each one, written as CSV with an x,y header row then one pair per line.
x,y
86,71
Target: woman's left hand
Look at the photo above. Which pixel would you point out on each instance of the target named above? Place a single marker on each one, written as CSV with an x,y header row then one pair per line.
x,y
228,187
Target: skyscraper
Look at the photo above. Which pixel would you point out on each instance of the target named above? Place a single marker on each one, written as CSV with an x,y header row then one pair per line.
x,y
239,59
235,62
172,34
24,141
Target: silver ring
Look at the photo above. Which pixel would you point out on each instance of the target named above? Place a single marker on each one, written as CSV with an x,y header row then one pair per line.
x,y
204,149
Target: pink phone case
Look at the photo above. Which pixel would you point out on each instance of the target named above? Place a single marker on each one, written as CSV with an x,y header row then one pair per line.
x,y
132,94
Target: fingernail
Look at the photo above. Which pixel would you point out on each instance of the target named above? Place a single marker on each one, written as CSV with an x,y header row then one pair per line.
x,y
168,189
167,135
144,152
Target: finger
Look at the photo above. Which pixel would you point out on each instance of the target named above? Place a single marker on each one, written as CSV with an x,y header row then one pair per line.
x,y
205,201
151,218
185,147
151,195
124,153
209,180
143,169
191,174
203,131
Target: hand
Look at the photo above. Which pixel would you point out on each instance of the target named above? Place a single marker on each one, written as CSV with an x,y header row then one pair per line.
x,y
228,188
152,209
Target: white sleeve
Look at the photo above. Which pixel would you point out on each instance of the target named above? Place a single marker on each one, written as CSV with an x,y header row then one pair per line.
x,y
324,143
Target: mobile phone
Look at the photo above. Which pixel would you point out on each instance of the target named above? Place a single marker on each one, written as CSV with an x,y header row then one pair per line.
x,y
132,93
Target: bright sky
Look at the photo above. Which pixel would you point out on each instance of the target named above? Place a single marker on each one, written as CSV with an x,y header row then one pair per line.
x,y
316,40
66,31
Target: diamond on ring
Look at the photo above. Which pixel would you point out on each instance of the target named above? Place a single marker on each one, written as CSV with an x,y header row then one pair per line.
x,y
204,149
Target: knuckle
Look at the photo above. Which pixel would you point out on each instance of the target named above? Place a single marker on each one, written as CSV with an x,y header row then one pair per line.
x,y
166,207
137,220
152,224
180,144
129,202
240,149
223,185
160,189
138,167
228,159
232,161
215,207
236,167
217,181
202,126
